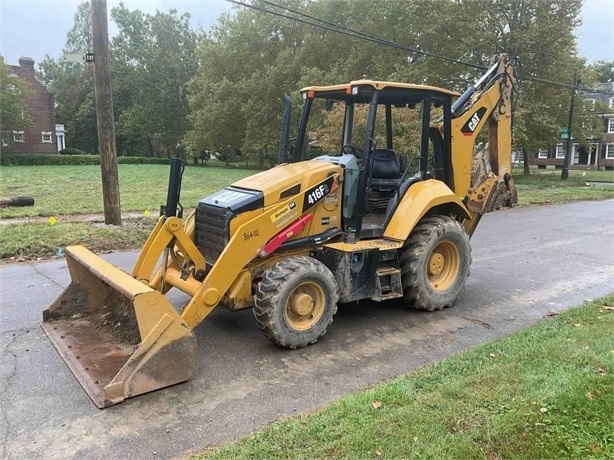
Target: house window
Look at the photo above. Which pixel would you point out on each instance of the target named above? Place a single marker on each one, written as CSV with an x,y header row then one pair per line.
x,y
46,137
542,153
560,151
18,136
609,151
610,125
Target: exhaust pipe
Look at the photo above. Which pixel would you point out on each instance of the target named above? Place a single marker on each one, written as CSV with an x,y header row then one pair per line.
x,y
173,206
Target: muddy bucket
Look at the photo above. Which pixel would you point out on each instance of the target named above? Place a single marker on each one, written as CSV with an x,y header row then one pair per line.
x,y
119,337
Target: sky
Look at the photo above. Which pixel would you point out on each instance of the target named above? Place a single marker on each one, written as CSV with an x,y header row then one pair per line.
x,y
36,28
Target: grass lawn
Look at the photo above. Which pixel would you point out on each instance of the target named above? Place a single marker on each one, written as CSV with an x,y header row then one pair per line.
x,y
546,186
70,190
63,192
544,392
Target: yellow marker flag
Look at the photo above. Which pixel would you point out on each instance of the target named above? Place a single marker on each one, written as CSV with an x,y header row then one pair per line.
x,y
147,213
51,220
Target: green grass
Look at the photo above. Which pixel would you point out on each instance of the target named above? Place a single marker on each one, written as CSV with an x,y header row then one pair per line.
x,y
71,190
546,186
42,240
544,392
64,192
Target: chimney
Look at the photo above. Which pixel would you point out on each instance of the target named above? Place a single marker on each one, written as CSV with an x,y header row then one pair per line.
x,y
26,63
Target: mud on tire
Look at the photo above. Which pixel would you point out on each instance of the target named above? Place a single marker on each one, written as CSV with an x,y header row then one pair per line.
x,y
295,301
435,263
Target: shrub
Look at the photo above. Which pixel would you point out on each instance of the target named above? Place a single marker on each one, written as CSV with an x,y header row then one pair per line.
x,y
72,151
143,160
41,159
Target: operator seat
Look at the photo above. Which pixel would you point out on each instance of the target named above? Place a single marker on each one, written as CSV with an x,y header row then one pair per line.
x,y
385,179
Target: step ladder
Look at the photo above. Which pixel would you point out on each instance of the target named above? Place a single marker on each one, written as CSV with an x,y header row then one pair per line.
x,y
387,284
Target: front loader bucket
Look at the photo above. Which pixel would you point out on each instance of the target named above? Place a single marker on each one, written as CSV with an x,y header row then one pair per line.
x,y
119,337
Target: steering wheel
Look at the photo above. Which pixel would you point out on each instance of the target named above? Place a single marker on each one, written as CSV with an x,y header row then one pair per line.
x,y
349,149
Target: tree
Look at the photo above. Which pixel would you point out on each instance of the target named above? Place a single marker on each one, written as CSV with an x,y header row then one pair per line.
x,y
252,57
154,58
603,70
14,95
72,84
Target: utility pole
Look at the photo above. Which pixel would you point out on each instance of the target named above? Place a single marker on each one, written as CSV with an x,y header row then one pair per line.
x,y
104,114
566,161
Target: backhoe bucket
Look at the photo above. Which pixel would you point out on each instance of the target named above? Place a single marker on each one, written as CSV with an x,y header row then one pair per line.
x,y
119,337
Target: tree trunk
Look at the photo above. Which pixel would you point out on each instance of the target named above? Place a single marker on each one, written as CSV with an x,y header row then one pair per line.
x,y
525,157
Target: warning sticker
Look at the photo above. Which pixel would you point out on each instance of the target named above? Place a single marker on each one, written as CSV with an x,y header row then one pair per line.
x,y
284,215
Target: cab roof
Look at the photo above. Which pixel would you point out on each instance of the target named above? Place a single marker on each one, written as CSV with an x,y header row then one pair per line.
x,y
391,91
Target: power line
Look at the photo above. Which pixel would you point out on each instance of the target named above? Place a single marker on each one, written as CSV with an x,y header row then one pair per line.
x,y
321,23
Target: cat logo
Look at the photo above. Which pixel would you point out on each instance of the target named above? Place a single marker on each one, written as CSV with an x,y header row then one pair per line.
x,y
469,128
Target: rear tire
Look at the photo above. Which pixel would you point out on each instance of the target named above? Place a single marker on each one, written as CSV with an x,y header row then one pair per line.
x,y
435,263
295,301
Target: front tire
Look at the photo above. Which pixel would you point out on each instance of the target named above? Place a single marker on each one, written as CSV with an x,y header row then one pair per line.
x,y
295,301
435,263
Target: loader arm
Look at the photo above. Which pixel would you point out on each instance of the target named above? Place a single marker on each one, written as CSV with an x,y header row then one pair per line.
x,y
168,232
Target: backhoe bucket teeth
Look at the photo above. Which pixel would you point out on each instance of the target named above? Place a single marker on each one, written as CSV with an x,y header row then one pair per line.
x,y
119,337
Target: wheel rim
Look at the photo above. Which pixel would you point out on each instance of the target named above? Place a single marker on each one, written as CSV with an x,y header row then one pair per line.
x,y
443,266
305,306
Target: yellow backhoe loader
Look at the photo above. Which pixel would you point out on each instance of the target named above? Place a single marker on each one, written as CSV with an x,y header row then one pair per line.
x,y
384,210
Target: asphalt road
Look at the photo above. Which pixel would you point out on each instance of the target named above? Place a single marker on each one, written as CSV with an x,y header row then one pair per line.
x,y
526,263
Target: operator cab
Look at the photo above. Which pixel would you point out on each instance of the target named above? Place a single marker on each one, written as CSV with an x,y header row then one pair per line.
x,y
385,135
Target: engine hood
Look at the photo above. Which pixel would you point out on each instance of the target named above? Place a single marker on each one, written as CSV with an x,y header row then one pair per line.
x,y
287,180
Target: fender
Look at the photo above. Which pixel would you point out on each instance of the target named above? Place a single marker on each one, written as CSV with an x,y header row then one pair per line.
x,y
419,199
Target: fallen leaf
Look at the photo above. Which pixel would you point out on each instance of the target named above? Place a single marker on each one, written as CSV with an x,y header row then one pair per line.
x,y
601,370
543,410
590,396
376,404
493,355
577,324
415,438
378,453
609,308
551,313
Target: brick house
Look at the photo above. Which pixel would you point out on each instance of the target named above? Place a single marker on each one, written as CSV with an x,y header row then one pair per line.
x,y
40,136
599,154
